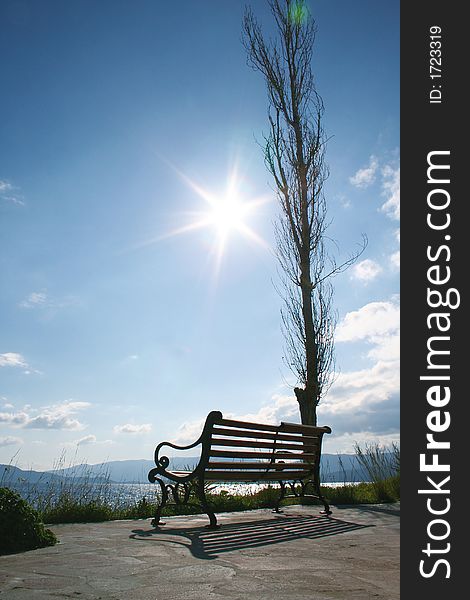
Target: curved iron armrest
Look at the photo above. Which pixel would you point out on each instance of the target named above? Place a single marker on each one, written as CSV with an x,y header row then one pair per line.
x,y
162,462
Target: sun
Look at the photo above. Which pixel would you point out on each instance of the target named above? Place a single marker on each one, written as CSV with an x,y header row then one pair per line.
x,y
226,213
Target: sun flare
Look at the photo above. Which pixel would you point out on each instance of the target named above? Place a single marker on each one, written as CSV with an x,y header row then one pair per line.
x,y
226,214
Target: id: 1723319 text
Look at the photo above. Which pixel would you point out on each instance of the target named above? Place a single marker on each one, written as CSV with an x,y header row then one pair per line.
x,y
435,64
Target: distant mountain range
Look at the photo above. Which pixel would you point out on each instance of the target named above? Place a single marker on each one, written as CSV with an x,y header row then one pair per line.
x,y
335,468
9,474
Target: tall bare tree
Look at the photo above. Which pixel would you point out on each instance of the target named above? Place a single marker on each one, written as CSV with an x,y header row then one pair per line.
x,y
294,154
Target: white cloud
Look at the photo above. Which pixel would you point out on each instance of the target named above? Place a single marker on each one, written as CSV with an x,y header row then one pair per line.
x,y
189,432
8,193
14,419
12,359
34,300
57,416
344,201
362,389
281,408
88,439
130,428
31,371
130,359
42,300
10,441
370,322
395,256
363,405
390,184
395,259
386,348
391,191
345,442
365,177
366,270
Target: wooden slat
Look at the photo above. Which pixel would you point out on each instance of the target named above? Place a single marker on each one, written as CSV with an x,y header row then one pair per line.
x,y
305,429
247,425
255,476
263,435
277,466
258,444
290,427
254,454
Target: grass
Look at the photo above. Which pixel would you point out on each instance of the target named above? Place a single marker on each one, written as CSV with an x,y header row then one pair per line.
x,y
87,498
383,469
80,497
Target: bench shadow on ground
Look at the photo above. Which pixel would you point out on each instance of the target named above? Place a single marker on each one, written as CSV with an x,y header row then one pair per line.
x,y
208,544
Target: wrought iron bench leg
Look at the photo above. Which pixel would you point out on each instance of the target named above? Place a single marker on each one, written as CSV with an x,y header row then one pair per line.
x,y
161,505
281,497
322,499
201,494
327,510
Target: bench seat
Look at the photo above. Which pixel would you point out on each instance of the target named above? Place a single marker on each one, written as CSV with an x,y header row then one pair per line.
x,y
239,451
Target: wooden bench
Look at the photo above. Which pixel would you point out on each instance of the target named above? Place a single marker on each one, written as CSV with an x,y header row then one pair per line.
x,y
238,451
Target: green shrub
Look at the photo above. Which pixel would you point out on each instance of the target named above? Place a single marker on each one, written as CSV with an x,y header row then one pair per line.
x,y
20,526
266,497
141,509
378,492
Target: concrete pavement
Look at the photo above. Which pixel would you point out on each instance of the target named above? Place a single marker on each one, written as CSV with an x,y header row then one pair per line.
x,y
300,555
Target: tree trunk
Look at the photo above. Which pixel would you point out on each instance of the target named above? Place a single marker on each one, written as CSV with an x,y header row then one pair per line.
x,y
307,403
308,399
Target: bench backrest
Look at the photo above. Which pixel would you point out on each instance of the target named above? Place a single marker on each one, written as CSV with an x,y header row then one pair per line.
x,y
244,451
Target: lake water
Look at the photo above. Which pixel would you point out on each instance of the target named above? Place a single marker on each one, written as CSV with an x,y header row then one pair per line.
x,y
124,494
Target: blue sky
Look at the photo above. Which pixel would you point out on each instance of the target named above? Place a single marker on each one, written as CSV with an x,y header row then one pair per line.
x,y
116,118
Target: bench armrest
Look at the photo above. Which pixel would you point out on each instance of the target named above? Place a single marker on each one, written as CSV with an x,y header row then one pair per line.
x,y
163,462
